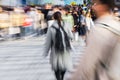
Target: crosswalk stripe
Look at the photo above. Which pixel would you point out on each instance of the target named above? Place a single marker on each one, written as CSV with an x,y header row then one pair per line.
x,y
23,60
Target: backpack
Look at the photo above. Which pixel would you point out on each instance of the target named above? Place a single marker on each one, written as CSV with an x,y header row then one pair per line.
x,y
59,47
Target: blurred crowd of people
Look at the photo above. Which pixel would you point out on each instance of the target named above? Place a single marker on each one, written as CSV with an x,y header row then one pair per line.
x,y
96,26
19,22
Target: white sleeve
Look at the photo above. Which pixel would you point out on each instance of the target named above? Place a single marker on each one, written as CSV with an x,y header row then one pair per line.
x,y
48,42
68,30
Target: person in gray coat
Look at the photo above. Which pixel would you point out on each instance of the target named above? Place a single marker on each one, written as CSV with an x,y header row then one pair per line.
x,y
60,62
101,59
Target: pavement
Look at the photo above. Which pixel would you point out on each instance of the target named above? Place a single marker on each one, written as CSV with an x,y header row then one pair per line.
x,y
23,60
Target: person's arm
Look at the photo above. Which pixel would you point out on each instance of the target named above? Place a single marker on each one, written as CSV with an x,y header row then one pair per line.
x,y
68,30
48,42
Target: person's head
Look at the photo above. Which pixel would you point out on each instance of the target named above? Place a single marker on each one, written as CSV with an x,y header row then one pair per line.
x,y
116,12
66,9
56,8
83,12
100,6
57,16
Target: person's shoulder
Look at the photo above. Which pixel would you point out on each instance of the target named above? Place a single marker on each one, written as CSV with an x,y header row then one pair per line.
x,y
54,23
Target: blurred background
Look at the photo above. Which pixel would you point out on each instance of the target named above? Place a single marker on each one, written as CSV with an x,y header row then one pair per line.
x,y
23,28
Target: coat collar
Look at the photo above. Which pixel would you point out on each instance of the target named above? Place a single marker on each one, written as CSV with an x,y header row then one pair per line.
x,y
109,22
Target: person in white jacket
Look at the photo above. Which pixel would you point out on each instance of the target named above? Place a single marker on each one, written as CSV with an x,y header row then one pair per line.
x,y
60,62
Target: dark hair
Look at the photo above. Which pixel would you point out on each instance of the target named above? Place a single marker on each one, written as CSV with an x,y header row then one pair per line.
x,y
109,3
57,16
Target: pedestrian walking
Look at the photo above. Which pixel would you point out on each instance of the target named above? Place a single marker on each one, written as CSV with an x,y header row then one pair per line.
x,y
58,43
101,58
88,20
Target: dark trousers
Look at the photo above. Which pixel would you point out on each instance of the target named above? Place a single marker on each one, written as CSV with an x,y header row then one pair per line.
x,y
59,74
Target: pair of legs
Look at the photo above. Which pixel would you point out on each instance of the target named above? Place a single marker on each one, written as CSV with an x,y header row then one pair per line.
x,y
59,74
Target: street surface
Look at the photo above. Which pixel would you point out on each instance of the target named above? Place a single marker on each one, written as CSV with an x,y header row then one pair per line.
x,y
23,60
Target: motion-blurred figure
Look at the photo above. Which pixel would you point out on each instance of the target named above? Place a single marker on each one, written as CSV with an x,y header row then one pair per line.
x,y
101,58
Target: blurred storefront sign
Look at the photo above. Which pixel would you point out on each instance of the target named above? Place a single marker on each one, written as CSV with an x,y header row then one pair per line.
x,y
10,2
38,2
